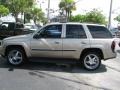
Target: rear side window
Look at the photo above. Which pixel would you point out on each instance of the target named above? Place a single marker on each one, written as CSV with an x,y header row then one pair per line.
x,y
75,31
99,32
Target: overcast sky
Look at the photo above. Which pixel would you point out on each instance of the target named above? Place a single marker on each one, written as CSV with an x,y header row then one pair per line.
x,y
86,5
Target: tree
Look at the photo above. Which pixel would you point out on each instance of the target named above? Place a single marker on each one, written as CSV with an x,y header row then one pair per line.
x,y
36,14
117,18
78,18
68,6
3,10
94,16
2,2
18,6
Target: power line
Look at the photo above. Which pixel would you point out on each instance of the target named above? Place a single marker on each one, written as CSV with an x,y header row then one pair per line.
x,y
78,1
73,4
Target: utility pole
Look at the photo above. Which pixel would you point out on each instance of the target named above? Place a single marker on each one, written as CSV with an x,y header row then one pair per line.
x,y
48,11
110,14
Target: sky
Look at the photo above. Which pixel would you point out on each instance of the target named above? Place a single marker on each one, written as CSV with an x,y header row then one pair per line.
x,y
85,6
82,7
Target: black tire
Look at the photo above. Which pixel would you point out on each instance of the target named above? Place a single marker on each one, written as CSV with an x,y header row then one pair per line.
x,y
97,61
22,54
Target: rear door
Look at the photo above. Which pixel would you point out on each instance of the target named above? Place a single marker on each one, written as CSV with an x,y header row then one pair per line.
x,y
75,41
101,38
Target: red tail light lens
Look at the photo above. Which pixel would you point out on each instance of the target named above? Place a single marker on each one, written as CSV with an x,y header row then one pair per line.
x,y
119,44
113,46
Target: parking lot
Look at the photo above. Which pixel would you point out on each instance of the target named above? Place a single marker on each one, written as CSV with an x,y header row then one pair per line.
x,y
45,76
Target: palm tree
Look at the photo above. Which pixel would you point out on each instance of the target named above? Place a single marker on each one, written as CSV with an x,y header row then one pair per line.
x,y
68,6
37,15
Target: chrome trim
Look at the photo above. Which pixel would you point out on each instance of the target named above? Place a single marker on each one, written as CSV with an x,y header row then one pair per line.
x,y
50,50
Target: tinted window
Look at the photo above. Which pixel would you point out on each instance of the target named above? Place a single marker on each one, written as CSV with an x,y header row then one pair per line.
x,y
11,26
7,26
18,25
75,31
52,31
99,32
4,26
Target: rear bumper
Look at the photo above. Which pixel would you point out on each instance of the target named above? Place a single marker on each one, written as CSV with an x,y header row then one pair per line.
x,y
0,47
0,50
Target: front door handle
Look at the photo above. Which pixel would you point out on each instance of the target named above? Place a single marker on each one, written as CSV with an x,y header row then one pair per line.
x,y
57,42
83,43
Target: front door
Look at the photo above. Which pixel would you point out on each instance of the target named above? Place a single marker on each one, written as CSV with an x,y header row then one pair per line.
x,y
48,42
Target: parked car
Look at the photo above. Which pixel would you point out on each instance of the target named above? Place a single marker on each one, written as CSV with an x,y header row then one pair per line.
x,y
115,32
87,44
31,27
8,29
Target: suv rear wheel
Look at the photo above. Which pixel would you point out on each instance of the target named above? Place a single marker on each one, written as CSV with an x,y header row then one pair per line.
x,y
15,56
91,61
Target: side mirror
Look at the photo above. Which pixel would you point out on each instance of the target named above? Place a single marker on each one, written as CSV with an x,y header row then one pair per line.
x,y
36,36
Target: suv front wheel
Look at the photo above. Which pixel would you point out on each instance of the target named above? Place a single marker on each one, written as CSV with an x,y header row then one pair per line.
x,y
91,61
15,56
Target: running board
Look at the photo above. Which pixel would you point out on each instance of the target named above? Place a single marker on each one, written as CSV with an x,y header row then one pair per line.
x,y
54,60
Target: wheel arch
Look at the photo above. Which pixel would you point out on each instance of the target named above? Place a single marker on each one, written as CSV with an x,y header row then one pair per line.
x,y
97,50
14,46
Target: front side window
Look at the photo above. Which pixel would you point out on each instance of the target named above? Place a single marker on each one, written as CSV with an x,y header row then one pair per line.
x,y
51,31
99,32
75,31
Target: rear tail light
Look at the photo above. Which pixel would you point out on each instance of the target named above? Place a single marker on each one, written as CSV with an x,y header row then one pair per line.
x,y
113,46
119,44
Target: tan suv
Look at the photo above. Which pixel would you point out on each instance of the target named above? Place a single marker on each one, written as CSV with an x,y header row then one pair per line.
x,y
85,43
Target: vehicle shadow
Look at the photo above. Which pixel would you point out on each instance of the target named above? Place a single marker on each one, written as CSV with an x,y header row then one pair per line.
x,y
51,67
118,51
40,70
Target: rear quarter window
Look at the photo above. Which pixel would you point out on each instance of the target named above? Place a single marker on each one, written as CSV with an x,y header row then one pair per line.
x,y
99,32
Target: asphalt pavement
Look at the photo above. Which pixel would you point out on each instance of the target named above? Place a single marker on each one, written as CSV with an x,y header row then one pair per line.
x,y
45,76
